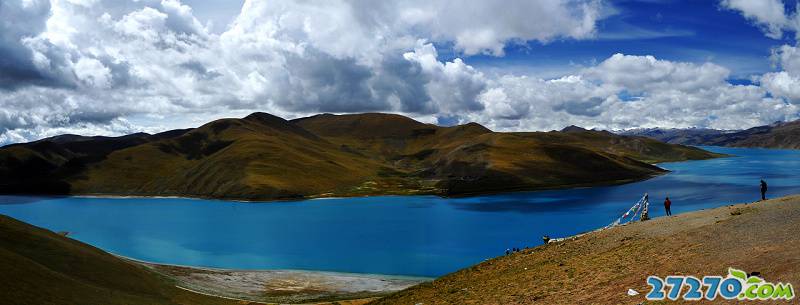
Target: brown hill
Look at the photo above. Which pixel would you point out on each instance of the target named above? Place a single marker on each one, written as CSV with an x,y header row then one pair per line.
x,y
264,157
258,157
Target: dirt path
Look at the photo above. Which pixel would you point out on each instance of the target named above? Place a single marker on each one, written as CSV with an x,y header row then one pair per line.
x,y
285,286
599,268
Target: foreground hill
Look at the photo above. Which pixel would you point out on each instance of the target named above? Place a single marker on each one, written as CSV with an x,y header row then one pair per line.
x,y
264,157
43,268
778,135
600,267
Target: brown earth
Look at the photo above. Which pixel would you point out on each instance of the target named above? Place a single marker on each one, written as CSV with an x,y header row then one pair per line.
x,y
599,268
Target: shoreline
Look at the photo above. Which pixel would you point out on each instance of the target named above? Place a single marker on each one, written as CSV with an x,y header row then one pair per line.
x,y
214,269
281,285
312,197
322,196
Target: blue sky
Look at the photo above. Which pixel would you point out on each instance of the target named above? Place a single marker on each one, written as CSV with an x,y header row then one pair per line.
x,y
112,67
693,31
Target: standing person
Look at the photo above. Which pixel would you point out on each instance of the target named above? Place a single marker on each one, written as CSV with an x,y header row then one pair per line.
x,y
667,205
763,190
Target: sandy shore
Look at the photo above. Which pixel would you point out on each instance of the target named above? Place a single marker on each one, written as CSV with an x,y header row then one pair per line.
x,y
283,286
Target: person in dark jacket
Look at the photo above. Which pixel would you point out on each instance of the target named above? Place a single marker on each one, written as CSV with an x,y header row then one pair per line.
x,y
763,190
667,205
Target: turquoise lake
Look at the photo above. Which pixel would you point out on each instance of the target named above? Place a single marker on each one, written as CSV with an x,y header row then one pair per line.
x,y
418,235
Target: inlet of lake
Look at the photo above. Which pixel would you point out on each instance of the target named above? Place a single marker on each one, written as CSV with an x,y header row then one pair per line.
x,y
399,235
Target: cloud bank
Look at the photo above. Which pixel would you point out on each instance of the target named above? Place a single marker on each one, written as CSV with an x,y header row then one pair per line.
x,y
113,67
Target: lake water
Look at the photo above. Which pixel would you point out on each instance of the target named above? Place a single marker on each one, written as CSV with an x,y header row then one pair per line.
x,y
418,235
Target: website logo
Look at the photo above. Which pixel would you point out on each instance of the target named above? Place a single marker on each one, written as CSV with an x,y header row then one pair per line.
x,y
737,285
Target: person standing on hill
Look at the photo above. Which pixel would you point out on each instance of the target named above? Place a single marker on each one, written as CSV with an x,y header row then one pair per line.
x,y
763,190
667,205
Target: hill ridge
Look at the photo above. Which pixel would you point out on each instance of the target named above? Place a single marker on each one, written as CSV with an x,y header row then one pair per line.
x,y
775,135
265,157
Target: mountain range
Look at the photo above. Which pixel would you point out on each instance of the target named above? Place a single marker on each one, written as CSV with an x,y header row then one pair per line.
x,y
265,157
776,135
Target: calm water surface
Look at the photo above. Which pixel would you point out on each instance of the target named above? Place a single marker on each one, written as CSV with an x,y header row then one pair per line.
x,y
419,235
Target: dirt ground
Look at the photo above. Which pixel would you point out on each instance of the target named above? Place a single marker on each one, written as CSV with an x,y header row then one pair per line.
x,y
286,286
600,267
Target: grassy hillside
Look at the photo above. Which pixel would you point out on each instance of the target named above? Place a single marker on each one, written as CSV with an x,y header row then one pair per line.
x,y
599,268
638,148
41,267
470,158
263,157
258,157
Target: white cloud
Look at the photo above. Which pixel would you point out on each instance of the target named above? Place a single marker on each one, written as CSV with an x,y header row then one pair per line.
x,y
645,73
487,26
786,83
770,15
454,86
671,94
788,58
93,72
782,84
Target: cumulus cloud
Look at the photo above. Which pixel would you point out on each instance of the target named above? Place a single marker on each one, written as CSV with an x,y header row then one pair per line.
x,y
112,67
19,20
769,15
785,83
453,85
674,94
646,73
773,19
782,84
78,62
485,27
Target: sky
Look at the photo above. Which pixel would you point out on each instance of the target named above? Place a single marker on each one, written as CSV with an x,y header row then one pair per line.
x,y
113,67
